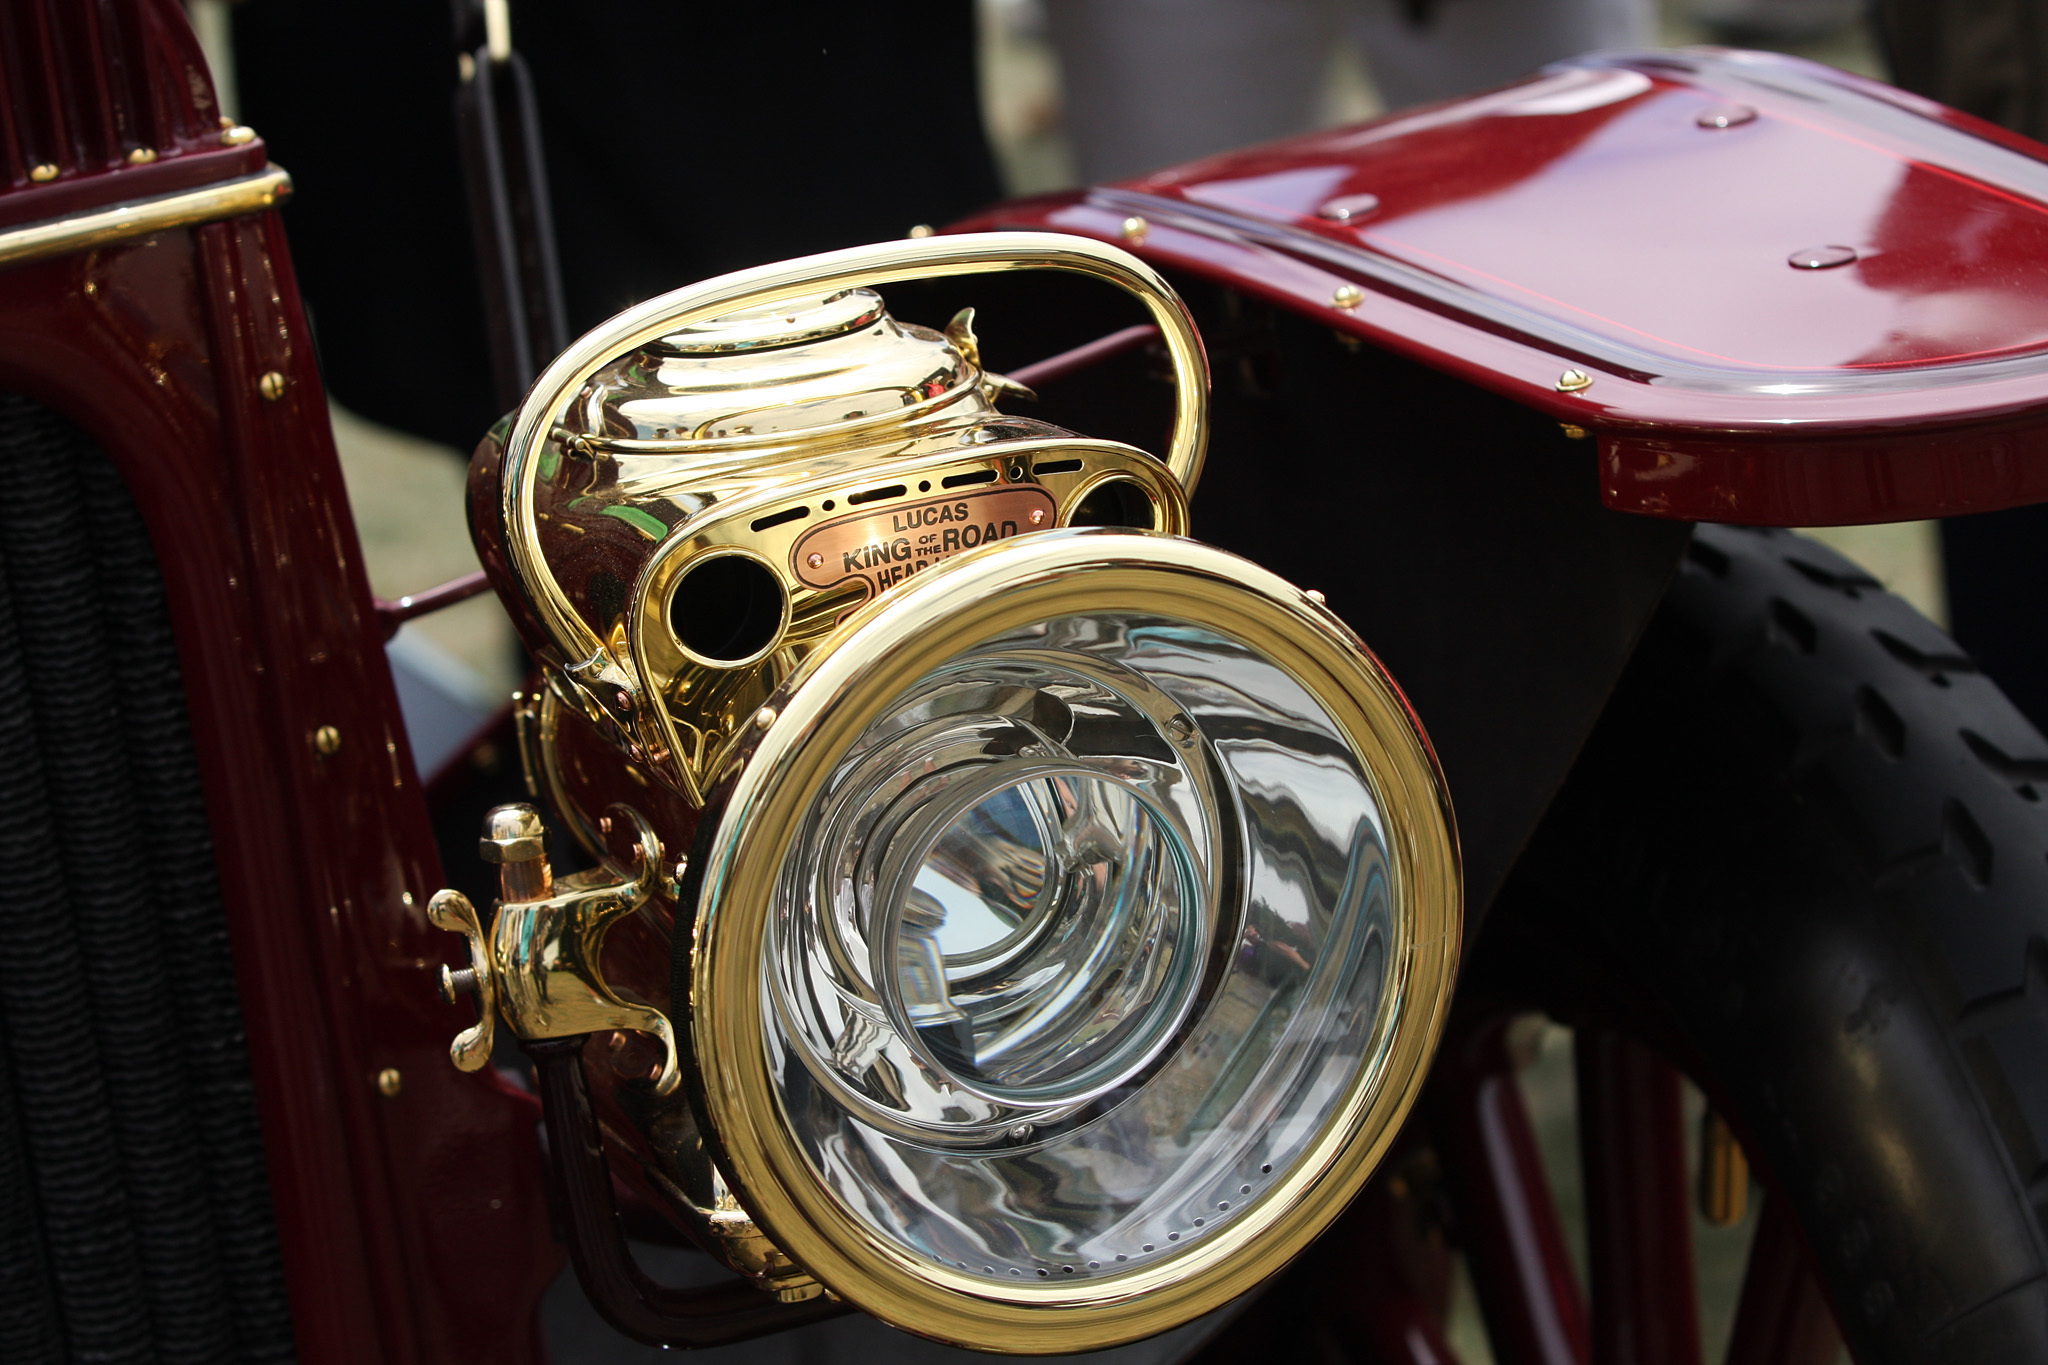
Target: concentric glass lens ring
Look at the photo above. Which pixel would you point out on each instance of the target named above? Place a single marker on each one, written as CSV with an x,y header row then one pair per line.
x,y
1114,991
959,737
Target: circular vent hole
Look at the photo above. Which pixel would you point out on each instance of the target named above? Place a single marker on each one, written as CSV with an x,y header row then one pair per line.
x,y
726,608
1114,502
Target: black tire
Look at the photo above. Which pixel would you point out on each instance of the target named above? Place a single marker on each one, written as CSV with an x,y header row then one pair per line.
x,y
1804,855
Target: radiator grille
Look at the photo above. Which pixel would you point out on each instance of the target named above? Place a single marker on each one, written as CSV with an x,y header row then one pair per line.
x,y
135,1220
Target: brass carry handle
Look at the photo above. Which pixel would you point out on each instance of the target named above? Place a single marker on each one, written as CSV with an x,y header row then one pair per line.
x,y
884,263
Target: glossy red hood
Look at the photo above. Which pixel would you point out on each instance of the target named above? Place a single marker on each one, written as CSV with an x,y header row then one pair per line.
x,y
1800,296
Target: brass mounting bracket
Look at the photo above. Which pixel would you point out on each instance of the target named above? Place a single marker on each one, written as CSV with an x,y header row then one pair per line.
x,y
538,967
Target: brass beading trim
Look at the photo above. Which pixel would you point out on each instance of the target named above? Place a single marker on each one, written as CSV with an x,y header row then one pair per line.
x,y
124,222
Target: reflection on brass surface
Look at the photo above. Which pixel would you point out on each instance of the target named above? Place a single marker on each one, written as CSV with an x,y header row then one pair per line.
x,y
538,967
539,449
104,227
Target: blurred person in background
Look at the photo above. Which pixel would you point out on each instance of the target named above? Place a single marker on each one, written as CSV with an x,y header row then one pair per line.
x,y
1152,82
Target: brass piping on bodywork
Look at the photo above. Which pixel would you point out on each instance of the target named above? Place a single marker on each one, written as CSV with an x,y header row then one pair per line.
x,y
125,222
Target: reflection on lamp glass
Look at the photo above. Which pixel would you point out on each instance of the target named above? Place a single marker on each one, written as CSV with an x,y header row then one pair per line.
x,y
1085,939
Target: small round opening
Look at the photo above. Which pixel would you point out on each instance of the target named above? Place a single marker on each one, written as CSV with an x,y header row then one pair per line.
x,y
726,608
1114,502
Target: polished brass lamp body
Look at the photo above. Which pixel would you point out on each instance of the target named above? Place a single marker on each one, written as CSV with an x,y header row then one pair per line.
x,y
837,656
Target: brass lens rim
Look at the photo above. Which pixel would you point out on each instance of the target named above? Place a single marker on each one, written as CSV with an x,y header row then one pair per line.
x,y
819,714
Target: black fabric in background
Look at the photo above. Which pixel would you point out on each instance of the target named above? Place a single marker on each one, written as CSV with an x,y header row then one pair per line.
x,y
1988,58
683,140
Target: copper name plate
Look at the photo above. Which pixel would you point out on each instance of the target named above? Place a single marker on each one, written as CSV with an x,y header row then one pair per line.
x,y
884,548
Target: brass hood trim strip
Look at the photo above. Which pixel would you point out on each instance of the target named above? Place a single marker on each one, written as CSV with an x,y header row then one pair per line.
x,y
125,222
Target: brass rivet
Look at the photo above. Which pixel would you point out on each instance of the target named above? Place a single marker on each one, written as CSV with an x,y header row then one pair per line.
x,y
1315,596
1821,257
1726,116
389,1082
815,560
237,135
271,386
1574,381
1572,433
921,231
1348,296
142,156
326,740
1037,515
764,718
43,174
1134,229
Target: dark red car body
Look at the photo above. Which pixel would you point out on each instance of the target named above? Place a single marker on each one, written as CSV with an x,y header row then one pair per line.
x,y
1591,221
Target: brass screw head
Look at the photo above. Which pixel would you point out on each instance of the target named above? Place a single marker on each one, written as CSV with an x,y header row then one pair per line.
x,y
237,135
43,174
1134,229
1574,381
142,156
512,834
764,718
1315,595
1347,297
271,386
922,230
389,1082
326,740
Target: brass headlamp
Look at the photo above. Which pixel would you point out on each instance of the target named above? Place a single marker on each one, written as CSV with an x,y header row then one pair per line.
x,y
1044,920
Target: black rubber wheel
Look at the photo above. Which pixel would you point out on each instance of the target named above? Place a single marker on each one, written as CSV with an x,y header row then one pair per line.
x,y
1803,856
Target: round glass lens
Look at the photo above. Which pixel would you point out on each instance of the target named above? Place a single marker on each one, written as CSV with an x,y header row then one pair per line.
x,y
1084,943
